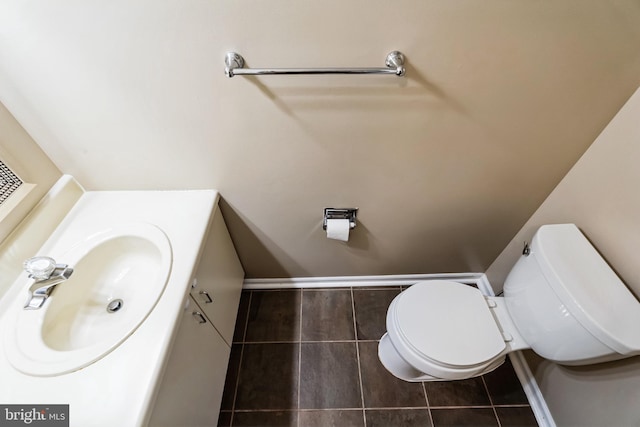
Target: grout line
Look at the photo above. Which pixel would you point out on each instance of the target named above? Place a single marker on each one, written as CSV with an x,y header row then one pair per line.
x,y
513,405
244,335
271,342
381,408
495,413
235,389
305,341
426,398
463,407
374,408
246,320
378,408
301,410
342,289
394,408
485,287
299,359
355,334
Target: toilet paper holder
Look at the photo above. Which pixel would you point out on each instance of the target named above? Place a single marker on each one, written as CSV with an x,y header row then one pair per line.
x,y
340,213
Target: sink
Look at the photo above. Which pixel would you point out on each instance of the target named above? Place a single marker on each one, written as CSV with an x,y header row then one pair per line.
x,y
119,275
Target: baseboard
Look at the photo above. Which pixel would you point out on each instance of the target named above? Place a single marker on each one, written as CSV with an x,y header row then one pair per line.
x,y
529,384
531,389
358,281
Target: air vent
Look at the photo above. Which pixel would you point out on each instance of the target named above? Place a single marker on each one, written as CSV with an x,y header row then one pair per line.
x,y
9,182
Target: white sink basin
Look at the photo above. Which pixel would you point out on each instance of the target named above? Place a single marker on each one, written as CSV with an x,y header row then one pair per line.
x,y
124,268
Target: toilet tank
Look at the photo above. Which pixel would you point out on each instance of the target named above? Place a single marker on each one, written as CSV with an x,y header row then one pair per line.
x,y
568,304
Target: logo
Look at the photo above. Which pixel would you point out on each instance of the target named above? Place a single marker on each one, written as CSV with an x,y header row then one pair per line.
x,y
34,415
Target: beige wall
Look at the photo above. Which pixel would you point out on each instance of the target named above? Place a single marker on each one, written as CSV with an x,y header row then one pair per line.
x,y
20,238
499,101
24,157
600,195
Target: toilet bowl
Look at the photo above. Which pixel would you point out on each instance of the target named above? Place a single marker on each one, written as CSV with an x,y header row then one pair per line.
x,y
561,299
447,330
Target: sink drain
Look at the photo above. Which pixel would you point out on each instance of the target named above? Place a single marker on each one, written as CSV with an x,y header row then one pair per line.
x,y
115,305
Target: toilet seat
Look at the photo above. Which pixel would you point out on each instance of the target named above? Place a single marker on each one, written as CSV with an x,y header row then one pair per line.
x,y
445,329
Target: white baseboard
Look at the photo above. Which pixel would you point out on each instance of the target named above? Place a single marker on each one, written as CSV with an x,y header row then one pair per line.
x,y
358,281
529,384
531,389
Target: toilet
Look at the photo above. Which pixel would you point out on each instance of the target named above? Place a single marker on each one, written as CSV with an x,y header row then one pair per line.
x,y
561,300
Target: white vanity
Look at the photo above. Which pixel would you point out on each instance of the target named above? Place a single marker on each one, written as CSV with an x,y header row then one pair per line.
x,y
160,357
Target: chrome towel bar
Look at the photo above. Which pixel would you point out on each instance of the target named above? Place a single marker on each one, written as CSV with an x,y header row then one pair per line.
x,y
234,66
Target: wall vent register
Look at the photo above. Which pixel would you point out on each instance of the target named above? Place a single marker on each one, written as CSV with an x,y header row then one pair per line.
x,y
9,182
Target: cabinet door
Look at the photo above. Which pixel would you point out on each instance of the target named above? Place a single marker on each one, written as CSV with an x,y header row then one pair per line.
x,y
191,390
219,279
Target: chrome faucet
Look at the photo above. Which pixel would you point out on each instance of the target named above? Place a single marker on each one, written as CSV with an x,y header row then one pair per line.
x,y
47,274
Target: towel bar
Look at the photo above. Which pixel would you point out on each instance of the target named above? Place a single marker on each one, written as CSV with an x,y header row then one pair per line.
x,y
234,66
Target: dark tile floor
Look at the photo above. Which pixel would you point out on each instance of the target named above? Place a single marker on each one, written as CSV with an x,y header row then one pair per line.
x,y
308,357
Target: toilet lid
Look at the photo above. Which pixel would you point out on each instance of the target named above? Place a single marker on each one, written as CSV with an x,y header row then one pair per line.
x,y
447,322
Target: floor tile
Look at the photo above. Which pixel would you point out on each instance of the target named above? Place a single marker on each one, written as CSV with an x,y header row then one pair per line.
x,y
232,377
241,318
265,419
274,316
504,386
470,392
398,417
516,417
327,315
329,376
224,419
268,377
459,417
270,384
331,418
380,388
371,311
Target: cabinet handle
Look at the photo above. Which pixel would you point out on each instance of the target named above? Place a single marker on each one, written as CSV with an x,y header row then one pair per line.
x,y
199,317
206,294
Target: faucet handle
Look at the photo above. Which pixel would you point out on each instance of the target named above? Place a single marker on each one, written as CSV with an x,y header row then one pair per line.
x,y
39,267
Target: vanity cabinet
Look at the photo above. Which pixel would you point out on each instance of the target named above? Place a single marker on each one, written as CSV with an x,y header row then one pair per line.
x,y
193,381
191,390
217,287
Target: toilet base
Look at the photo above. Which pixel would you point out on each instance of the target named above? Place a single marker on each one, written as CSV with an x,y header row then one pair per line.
x,y
400,369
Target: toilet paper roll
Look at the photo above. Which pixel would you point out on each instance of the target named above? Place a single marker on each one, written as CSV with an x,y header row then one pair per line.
x,y
338,229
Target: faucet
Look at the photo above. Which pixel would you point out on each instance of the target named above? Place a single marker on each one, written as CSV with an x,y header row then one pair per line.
x,y
47,275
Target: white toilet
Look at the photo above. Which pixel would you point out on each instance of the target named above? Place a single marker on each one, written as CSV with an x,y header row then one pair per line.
x,y
562,300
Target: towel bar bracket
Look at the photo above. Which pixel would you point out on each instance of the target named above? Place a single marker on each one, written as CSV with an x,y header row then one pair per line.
x,y
232,61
